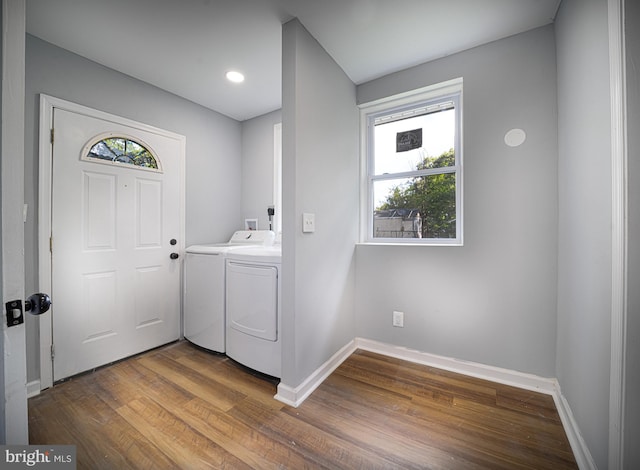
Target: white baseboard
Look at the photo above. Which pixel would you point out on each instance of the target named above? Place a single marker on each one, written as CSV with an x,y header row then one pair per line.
x,y
549,386
578,445
294,396
33,388
473,369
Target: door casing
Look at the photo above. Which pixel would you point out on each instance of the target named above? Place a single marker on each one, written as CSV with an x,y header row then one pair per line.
x,y
13,373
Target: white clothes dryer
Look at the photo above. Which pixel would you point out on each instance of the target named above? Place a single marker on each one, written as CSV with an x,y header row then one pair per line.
x,y
204,287
253,293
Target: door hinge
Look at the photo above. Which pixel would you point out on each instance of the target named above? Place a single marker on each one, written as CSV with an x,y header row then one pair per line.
x,y
50,244
53,351
52,134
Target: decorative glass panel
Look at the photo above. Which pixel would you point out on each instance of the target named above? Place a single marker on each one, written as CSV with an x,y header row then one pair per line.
x,y
123,150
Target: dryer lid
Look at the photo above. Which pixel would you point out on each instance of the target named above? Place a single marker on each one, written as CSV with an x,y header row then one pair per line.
x,y
252,237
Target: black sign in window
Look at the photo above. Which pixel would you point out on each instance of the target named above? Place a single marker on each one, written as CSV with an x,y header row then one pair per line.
x,y
408,140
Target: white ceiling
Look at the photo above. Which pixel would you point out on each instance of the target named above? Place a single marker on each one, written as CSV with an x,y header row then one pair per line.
x,y
187,46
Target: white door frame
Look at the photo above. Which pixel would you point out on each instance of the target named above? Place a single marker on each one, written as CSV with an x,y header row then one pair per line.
x,y
13,416
47,105
619,233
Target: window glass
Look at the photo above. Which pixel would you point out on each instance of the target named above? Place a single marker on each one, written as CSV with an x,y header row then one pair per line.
x,y
405,144
417,207
414,169
122,150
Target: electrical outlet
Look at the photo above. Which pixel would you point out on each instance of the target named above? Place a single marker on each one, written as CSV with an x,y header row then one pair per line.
x,y
398,319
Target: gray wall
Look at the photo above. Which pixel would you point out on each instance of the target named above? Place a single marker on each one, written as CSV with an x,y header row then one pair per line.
x,y
632,409
320,174
257,167
213,160
584,263
492,301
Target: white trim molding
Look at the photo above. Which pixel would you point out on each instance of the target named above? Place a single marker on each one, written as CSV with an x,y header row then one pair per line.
x,y
13,347
33,388
472,369
619,233
295,396
549,386
579,446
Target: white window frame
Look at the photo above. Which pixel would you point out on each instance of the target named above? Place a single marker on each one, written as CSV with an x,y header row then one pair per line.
x,y
368,113
277,177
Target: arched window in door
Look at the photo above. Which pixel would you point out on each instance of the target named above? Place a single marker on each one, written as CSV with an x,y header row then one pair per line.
x,y
121,150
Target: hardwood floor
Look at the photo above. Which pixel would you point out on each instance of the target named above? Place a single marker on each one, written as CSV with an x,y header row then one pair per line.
x,y
182,407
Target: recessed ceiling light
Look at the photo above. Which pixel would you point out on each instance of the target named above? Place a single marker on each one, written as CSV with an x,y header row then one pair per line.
x,y
235,77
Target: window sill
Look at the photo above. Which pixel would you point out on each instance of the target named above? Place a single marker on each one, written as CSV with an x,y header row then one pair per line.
x,y
434,244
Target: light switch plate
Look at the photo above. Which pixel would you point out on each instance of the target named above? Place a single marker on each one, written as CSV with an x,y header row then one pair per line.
x,y
308,222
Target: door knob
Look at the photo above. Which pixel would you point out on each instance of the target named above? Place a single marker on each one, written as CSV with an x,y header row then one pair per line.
x,y
174,256
37,304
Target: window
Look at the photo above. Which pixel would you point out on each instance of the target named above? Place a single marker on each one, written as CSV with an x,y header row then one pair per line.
x,y
412,168
120,150
277,177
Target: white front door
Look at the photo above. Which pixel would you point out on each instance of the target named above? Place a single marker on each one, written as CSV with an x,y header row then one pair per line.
x,y
115,285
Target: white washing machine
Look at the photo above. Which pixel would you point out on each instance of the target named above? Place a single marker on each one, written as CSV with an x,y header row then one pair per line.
x,y
253,293
204,287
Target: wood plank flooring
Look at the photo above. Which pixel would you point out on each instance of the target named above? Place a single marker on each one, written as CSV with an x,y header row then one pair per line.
x,y
184,408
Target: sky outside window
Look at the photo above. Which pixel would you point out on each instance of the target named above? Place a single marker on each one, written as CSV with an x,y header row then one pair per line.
x,y
438,136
